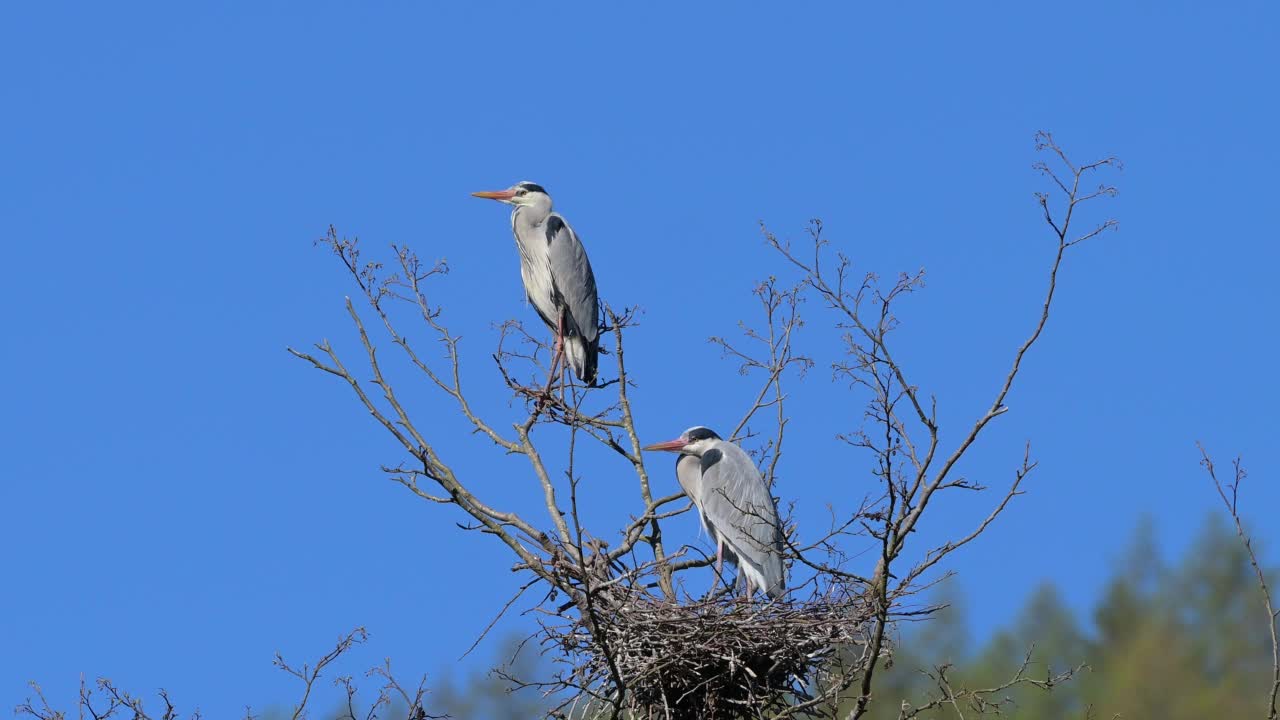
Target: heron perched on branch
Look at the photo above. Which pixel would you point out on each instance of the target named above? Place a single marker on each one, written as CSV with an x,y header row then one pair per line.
x,y
557,277
734,505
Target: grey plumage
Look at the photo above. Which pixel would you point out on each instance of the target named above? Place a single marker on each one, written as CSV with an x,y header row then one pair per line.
x,y
557,276
734,505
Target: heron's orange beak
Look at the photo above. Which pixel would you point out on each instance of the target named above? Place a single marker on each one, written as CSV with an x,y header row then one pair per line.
x,y
495,194
670,445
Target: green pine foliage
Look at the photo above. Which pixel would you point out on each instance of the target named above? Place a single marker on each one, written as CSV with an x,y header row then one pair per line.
x,y
1181,642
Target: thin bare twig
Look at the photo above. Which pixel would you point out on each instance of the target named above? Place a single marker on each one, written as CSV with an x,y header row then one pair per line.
x,y
988,700
1229,492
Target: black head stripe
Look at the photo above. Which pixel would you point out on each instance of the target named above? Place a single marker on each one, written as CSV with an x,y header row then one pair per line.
x,y
532,187
702,433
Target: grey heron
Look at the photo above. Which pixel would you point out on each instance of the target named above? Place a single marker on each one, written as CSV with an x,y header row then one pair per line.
x,y
557,276
734,505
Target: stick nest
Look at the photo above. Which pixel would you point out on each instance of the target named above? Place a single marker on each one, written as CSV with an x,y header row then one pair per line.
x,y
713,659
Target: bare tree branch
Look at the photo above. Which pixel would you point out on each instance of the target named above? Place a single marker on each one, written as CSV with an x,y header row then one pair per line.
x,y
1229,493
988,700
105,700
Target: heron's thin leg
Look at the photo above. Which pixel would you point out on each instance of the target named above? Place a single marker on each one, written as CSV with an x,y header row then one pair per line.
x,y
564,373
564,360
719,555
557,355
551,377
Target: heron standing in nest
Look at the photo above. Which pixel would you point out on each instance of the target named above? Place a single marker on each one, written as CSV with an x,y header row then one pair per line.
x,y
734,505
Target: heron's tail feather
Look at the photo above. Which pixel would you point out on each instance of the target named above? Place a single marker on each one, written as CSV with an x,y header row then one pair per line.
x,y
582,356
767,570
768,575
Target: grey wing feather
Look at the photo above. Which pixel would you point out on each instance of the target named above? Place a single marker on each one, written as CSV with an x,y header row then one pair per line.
x,y
574,285
737,503
573,278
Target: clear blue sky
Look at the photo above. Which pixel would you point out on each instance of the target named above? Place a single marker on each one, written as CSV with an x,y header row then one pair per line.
x,y
181,498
